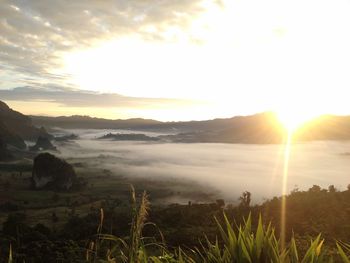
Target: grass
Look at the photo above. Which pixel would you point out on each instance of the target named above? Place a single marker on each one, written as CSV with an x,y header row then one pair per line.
x,y
243,245
344,255
234,244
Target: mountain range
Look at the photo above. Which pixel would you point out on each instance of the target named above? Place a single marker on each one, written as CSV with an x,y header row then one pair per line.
x,y
258,128
262,128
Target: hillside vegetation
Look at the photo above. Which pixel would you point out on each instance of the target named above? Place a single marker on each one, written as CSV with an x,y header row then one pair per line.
x,y
189,233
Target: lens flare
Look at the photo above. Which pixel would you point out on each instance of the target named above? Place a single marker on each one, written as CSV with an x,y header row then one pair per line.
x,y
287,151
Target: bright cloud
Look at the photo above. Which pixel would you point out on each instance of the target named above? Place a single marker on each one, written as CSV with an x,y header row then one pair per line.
x,y
239,57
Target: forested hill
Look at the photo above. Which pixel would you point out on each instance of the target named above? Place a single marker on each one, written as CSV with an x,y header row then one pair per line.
x,y
16,127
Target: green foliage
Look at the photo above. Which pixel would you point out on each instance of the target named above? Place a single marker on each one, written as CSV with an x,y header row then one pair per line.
x,y
311,212
246,246
344,251
236,244
135,248
197,233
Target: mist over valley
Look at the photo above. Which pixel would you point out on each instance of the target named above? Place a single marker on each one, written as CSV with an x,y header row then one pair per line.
x,y
221,170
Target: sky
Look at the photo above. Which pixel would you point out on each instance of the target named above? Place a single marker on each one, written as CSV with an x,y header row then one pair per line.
x,y
175,60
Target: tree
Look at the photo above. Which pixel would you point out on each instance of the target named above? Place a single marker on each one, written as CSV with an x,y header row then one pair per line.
x,y
332,189
315,188
245,199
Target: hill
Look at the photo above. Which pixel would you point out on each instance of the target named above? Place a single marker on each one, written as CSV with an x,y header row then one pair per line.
x,y
16,127
128,137
86,122
327,127
258,128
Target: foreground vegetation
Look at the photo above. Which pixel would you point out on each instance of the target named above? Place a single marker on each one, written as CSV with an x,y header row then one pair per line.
x,y
233,240
47,226
240,244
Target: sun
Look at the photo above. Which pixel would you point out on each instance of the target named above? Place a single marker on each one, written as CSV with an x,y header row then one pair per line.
x,y
290,120
293,119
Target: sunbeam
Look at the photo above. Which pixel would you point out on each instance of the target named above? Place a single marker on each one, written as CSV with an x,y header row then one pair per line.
x,y
284,188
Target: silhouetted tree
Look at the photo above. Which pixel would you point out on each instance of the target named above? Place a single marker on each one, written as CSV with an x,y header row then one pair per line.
x,y
245,199
332,189
315,188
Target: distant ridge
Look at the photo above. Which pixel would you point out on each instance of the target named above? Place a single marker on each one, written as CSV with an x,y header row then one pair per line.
x,y
258,128
87,122
79,121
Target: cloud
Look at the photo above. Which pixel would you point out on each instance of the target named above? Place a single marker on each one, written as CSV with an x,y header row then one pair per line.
x,y
33,34
81,98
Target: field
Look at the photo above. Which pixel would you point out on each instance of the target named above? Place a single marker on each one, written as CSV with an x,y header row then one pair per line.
x,y
46,206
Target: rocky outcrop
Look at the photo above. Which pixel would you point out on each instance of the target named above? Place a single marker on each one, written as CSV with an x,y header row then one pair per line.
x,y
5,155
42,144
50,172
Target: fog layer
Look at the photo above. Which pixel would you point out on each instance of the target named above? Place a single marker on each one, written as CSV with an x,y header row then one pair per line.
x,y
228,168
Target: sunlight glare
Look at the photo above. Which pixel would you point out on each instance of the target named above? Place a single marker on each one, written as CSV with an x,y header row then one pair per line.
x,y
294,118
212,58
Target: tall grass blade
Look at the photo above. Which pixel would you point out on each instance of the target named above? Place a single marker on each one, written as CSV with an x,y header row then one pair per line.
x,y
10,260
342,254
